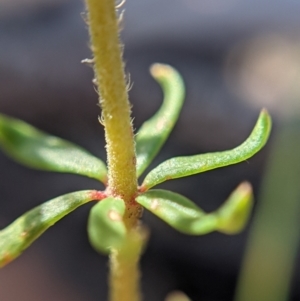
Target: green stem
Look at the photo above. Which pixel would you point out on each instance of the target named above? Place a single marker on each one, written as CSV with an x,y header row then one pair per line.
x,y
109,71
124,269
121,157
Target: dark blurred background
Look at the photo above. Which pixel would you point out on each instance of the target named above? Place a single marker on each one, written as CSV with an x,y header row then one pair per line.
x,y
235,57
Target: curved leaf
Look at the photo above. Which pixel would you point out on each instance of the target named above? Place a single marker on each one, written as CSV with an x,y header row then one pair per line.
x,y
186,166
234,214
154,132
36,149
19,235
186,217
106,229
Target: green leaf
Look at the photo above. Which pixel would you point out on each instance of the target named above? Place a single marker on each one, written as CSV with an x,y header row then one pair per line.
x,y
154,132
186,217
106,229
19,235
39,150
234,214
186,166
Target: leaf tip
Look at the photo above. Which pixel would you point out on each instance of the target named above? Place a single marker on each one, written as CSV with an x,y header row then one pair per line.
x,y
158,70
235,213
266,120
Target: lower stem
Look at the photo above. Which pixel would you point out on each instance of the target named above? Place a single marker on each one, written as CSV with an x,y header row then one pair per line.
x,y
124,275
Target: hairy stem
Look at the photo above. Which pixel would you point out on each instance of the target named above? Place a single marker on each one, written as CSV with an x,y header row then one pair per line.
x,y
121,157
124,269
109,71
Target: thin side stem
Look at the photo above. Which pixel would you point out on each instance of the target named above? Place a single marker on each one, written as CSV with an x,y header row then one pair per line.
x,y
109,70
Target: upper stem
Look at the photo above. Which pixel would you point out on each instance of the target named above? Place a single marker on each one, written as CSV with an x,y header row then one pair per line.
x,y
110,77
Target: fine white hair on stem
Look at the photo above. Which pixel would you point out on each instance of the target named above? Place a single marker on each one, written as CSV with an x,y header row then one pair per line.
x,y
129,84
88,62
120,4
101,120
84,17
121,20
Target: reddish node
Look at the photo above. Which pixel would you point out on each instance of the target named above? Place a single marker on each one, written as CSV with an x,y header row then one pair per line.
x,y
98,195
142,189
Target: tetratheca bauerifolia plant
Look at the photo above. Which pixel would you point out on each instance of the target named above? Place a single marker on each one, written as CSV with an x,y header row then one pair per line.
x,y
115,222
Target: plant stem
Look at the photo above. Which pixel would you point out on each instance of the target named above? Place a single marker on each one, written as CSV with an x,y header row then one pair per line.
x,y
124,269
121,158
109,71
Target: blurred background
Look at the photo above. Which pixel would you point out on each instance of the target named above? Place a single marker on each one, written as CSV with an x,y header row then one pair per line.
x,y
235,57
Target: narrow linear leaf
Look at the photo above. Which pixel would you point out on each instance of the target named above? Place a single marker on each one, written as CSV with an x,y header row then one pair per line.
x,y
19,235
186,217
38,150
106,229
234,214
154,132
177,211
186,166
